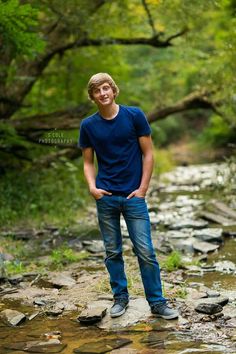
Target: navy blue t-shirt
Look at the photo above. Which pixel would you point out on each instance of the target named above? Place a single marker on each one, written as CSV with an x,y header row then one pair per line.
x,y
115,142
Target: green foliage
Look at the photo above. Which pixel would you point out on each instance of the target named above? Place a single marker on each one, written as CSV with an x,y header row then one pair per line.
x,y
14,267
65,255
53,195
172,262
18,28
163,161
218,132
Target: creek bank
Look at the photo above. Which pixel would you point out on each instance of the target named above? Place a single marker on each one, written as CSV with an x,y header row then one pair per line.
x,y
179,221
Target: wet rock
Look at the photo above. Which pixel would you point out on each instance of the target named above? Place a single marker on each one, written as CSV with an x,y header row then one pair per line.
x,y
209,235
94,246
185,200
51,346
204,247
12,317
33,315
62,279
54,310
225,266
229,233
208,308
218,219
102,346
15,279
92,315
189,223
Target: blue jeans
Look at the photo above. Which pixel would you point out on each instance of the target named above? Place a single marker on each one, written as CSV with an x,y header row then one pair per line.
x,y
136,216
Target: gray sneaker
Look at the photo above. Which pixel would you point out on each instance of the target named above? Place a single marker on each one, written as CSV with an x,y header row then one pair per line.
x,y
119,307
164,311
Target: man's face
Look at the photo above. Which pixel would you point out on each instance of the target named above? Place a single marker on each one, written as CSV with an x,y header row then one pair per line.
x,y
103,95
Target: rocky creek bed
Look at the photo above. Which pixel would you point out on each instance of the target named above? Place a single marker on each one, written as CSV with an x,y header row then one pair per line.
x,y
192,210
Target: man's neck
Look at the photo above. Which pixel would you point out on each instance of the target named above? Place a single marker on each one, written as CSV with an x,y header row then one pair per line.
x,y
109,112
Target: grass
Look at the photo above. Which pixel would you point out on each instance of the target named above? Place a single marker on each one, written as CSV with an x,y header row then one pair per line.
x,y
164,161
65,255
172,262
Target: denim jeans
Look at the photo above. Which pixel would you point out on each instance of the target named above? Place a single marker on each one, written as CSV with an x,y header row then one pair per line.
x,y
136,216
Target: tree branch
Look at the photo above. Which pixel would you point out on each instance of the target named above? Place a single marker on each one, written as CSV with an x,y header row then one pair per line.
x,y
192,101
150,20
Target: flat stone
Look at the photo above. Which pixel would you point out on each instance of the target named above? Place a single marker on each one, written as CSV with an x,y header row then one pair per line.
x,y
61,280
218,219
184,245
189,223
137,310
94,246
212,293
12,317
51,346
224,208
208,308
54,310
220,300
92,315
209,234
204,247
102,346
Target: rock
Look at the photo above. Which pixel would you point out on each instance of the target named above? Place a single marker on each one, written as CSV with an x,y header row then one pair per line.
x,y
51,346
229,233
220,300
137,310
225,266
208,308
218,219
222,207
54,310
213,293
15,279
209,235
184,245
102,346
62,279
94,246
204,247
188,223
12,317
92,315
75,244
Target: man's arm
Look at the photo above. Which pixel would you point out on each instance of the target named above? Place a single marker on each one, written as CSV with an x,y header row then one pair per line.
x,y
145,143
90,173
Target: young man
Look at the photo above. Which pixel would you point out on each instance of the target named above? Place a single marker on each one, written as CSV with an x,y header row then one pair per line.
x,y
120,137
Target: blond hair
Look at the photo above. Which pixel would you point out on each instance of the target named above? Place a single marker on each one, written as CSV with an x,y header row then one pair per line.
x,y
99,79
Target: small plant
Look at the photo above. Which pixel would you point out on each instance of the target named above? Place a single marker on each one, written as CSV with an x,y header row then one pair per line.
x,y
14,267
65,255
173,262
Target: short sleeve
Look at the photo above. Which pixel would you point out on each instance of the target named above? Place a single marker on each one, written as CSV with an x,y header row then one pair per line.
x,y
141,124
84,140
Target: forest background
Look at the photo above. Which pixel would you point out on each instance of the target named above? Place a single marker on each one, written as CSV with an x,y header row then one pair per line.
x,y
173,58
